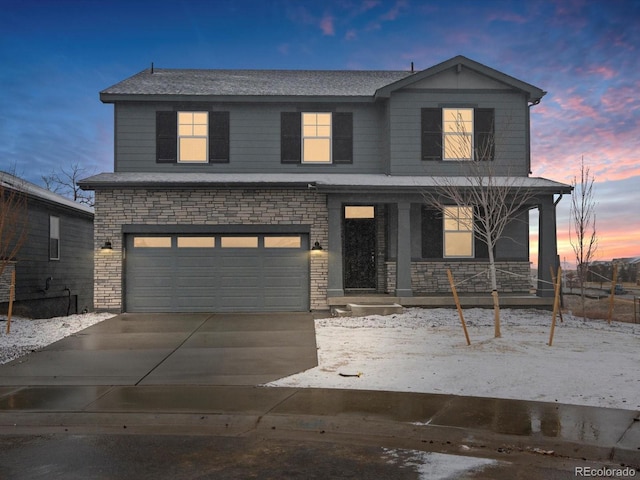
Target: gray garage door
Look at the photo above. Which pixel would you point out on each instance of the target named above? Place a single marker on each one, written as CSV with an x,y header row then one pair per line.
x,y
217,273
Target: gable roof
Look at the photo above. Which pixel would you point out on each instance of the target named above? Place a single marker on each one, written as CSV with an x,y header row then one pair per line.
x,y
460,62
354,84
12,182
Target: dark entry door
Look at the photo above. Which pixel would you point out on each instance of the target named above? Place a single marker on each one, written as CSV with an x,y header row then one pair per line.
x,y
359,253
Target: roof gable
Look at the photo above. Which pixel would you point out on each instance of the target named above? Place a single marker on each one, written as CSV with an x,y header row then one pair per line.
x,y
462,72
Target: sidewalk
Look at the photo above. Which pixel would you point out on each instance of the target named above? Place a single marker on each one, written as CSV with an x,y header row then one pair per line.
x,y
375,416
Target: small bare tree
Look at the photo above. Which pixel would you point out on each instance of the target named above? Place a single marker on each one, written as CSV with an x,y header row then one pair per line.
x,y
495,200
65,182
13,219
582,228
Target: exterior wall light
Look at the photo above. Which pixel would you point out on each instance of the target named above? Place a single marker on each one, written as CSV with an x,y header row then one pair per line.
x,y
316,247
106,247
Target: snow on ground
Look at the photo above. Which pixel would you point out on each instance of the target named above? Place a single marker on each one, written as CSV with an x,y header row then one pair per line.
x,y
27,335
424,350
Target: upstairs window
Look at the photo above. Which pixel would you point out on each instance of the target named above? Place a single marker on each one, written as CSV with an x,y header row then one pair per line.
x,y
192,137
316,137
457,134
193,129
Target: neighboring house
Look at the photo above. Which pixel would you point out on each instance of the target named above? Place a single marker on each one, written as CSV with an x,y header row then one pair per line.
x,y
241,190
54,267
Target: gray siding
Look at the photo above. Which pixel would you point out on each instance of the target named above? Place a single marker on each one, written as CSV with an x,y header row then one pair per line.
x,y
254,139
71,285
511,114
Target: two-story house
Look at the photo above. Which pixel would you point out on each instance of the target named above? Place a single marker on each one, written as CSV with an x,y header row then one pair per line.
x,y
258,190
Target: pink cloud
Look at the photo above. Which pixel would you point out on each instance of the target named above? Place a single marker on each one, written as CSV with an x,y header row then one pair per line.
x,y
326,25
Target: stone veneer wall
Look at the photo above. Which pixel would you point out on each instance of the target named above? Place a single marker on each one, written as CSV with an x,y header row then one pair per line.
x,y
115,208
431,277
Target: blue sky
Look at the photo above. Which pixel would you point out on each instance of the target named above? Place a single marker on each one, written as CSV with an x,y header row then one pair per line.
x,y
55,56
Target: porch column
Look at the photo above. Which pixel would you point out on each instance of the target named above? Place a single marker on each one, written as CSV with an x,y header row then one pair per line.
x,y
335,284
403,255
547,246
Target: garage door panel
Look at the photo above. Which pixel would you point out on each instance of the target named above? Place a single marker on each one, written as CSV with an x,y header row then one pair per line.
x,y
187,278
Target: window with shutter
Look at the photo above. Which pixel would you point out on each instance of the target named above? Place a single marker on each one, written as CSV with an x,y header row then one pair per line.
x,y
459,134
316,137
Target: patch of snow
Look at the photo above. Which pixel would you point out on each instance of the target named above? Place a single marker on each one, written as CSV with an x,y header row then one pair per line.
x,y
27,335
424,350
436,466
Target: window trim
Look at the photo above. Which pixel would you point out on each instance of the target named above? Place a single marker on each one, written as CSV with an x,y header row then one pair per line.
x,y
54,229
192,136
304,137
458,230
446,112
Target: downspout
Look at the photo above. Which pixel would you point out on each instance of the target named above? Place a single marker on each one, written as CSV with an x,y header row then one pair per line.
x,y
555,204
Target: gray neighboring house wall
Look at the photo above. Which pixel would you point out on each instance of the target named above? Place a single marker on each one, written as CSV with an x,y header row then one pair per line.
x,y
53,278
233,229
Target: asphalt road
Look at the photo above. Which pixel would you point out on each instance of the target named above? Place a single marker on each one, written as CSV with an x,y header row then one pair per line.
x,y
140,457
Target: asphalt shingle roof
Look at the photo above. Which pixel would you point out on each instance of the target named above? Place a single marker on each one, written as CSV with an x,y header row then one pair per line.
x,y
256,82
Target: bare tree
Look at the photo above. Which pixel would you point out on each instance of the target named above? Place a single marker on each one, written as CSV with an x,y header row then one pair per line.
x,y
494,201
13,219
65,182
582,228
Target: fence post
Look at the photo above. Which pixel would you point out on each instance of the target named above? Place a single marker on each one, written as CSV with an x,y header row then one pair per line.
x,y
555,305
457,300
12,291
613,292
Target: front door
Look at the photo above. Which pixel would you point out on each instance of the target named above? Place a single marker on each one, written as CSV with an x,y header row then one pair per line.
x,y
359,248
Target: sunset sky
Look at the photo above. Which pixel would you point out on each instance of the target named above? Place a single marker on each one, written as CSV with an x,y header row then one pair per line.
x,y
55,56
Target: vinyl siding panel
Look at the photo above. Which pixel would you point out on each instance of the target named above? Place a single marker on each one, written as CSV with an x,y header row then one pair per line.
x,y
254,139
511,113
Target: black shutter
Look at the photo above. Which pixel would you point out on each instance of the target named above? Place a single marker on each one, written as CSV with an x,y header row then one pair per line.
x,y
432,233
290,137
166,137
480,246
431,124
484,138
342,137
219,137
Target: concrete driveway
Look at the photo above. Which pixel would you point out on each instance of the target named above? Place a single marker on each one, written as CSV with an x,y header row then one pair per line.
x,y
172,349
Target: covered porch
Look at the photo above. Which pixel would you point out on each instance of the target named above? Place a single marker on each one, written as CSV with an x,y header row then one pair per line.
x,y
400,267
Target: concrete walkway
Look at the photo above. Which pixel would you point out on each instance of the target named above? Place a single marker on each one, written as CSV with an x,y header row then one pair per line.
x,y
154,375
